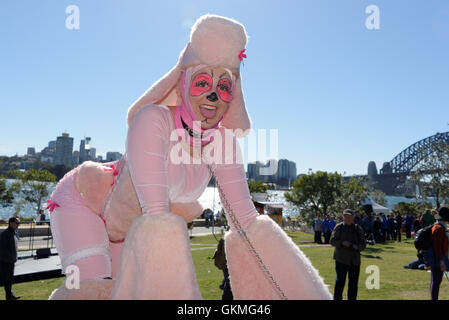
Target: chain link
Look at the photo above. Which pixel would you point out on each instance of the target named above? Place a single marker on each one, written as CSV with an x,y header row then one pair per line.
x,y
242,232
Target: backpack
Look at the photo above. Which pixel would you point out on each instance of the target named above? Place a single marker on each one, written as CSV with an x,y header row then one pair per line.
x,y
423,239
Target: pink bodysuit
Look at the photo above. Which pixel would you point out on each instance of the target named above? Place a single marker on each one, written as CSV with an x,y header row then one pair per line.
x,y
80,234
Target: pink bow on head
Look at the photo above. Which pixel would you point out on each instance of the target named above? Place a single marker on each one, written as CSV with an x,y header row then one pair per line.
x,y
242,55
51,205
115,173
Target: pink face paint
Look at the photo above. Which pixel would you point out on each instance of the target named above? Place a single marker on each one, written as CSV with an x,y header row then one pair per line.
x,y
201,84
224,90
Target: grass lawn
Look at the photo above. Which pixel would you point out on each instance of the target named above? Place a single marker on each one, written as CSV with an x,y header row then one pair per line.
x,y
396,283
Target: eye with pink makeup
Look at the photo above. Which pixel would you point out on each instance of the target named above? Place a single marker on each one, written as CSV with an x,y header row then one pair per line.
x,y
201,84
224,90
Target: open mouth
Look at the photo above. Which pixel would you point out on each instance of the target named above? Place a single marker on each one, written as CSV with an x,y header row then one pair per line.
x,y
208,111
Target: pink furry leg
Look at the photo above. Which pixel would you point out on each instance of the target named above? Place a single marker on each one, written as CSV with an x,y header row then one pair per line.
x,y
290,268
91,289
116,250
156,262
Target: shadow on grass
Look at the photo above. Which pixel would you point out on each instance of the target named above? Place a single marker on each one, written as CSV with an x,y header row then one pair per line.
x,y
373,249
370,256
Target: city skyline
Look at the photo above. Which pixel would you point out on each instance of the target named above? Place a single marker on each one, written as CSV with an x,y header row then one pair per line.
x,y
339,94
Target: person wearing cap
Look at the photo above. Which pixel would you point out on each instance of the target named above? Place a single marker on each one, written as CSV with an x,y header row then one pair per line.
x,y
8,256
349,240
126,220
439,238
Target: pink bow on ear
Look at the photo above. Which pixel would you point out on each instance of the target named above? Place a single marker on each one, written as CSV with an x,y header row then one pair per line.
x,y
242,55
51,205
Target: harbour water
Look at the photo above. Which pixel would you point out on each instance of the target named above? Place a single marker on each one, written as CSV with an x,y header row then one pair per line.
x,y
209,199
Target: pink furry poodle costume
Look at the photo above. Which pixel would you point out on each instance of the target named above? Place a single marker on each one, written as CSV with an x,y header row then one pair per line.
x,y
123,224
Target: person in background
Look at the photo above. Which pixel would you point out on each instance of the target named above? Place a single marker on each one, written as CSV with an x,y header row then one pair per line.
x,y
417,224
439,238
377,229
357,218
208,217
427,219
317,226
383,219
332,224
41,217
391,227
326,230
348,240
220,262
367,225
408,221
398,224
8,256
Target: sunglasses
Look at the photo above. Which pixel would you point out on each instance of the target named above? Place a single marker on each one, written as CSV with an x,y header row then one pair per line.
x,y
203,83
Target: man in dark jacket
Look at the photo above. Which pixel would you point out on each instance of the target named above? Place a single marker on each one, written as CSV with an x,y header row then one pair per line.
x,y
220,262
8,256
398,223
348,239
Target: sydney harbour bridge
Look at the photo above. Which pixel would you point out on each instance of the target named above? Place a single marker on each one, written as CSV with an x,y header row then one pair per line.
x,y
394,172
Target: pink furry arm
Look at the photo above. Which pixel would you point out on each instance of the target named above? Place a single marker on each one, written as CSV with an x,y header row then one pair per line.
x,y
147,148
231,177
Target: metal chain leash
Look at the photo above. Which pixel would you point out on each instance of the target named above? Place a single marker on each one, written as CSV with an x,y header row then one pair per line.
x,y
243,234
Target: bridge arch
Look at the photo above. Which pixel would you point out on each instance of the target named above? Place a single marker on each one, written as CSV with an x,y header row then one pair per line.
x,y
408,158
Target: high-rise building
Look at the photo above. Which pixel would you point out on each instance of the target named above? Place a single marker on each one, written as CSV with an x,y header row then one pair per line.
x,y
75,157
286,172
291,171
64,148
251,171
92,154
85,150
31,151
113,156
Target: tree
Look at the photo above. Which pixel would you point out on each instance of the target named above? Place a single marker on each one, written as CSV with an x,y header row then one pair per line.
x,y
257,186
432,173
323,193
35,185
414,208
378,197
351,196
6,195
315,194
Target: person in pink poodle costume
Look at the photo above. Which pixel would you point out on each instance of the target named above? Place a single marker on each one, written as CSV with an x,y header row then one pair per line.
x,y
123,224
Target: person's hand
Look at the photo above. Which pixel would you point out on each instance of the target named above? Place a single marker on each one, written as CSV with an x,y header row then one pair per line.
x,y
356,247
346,243
442,266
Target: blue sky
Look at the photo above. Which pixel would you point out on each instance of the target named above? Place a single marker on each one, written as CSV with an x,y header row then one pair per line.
x,y
339,94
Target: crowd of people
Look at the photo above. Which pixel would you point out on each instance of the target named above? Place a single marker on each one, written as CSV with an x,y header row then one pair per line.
x,y
351,235
378,227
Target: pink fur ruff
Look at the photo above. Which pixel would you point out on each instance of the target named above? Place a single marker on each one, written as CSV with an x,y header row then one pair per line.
x,y
91,289
156,262
291,269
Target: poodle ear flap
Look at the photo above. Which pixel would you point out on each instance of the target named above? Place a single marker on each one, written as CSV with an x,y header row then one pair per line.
x,y
236,117
163,92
